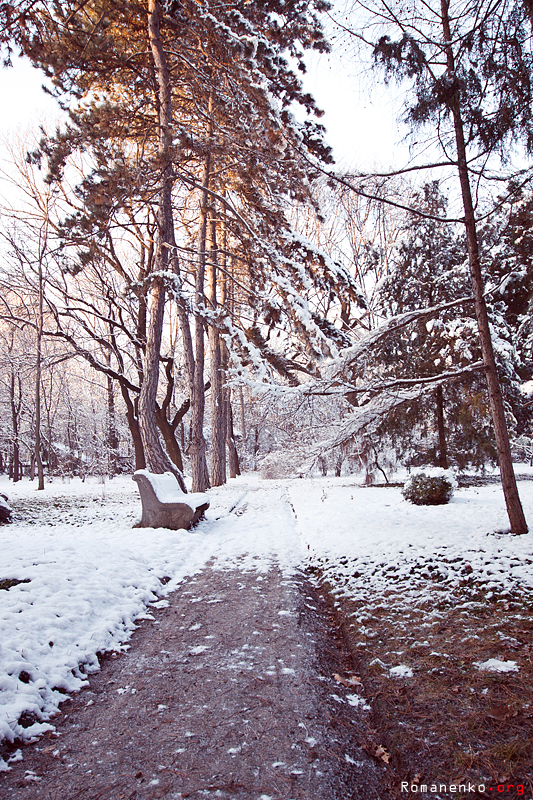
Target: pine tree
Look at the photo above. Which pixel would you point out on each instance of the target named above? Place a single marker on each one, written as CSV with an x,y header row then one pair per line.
x,y
469,66
428,269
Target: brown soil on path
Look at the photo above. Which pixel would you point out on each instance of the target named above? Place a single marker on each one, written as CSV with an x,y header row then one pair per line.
x,y
228,693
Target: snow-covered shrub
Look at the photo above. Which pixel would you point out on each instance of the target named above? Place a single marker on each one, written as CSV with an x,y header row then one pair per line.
x,y
432,487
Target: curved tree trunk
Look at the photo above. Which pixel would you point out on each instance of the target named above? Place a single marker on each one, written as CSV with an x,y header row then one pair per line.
x,y
133,425
156,457
169,436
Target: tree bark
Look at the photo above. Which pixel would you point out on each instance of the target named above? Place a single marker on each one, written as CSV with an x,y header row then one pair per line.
x,y
243,416
156,457
38,372
234,467
218,432
233,456
112,435
16,404
133,425
200,474
167,428
515,512
169,437
443,450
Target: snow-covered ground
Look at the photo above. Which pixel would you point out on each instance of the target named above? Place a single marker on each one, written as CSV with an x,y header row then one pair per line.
x,y
87,574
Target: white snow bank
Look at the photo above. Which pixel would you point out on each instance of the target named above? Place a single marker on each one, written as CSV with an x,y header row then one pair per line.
x,y
88,575
391,539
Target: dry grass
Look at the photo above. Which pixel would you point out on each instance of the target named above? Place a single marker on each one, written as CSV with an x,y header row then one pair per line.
x,y
449,722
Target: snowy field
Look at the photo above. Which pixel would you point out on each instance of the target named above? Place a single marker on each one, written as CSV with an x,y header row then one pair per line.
x,y
87,574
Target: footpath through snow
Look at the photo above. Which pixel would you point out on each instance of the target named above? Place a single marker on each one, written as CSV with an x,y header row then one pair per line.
x,y
229,691
80,578
86,575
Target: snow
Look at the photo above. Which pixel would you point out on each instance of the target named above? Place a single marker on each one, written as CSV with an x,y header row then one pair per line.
x,y
401,671
495,665
88,575
357,701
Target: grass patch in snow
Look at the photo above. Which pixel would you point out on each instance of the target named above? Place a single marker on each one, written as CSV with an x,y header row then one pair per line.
x,y
8,583
419,633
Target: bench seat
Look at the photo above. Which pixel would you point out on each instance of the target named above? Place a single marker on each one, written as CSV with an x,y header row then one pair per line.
x,y
164,505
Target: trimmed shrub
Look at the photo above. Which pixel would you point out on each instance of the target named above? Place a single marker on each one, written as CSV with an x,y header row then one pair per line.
x,y
424,489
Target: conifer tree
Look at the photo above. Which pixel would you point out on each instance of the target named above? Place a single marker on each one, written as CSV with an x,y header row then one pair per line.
x,y
469,67
429,268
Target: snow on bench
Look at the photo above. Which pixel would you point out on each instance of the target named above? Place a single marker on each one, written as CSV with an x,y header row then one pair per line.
x,y
164,505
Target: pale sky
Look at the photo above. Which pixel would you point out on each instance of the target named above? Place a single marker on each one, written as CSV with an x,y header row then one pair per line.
x,y
23,101
362,132
360,121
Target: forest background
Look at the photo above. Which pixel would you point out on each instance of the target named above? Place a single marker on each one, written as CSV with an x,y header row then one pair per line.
x,y
189,282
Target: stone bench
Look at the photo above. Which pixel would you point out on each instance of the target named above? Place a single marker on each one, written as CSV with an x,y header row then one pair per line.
x,y
164,505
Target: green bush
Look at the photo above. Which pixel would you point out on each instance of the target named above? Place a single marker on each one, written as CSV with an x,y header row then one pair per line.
x,y
429,490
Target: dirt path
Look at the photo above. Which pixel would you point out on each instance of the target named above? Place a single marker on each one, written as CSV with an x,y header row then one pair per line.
x,y
228,693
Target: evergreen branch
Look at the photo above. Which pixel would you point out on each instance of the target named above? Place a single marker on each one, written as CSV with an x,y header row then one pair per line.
x,y
369,414
394,324
399,383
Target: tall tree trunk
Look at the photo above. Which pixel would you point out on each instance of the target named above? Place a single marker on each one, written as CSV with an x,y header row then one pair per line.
x,y
512,499
197,448
200,474
233,456
218,432
443,450
156,457
243,416
16,403
38,372
112,435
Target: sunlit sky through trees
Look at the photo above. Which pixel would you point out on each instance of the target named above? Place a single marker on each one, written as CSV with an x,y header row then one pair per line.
x,y
361,125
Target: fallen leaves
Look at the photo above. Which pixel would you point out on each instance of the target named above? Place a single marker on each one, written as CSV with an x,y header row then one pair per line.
x,y
353,680
377,751
501,712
